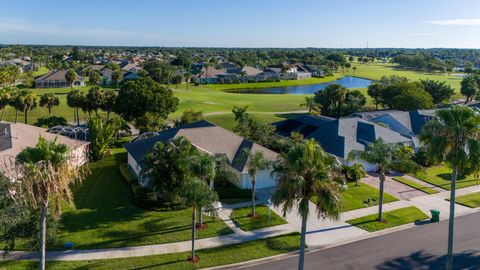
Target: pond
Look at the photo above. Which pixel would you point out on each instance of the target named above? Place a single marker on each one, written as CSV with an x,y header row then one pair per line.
x,y
348,82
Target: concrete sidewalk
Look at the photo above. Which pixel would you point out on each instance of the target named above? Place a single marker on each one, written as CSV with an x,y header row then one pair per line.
x,y
320,232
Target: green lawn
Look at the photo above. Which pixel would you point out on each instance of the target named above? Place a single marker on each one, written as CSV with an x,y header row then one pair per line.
x,y
376,70
440,176
103,215
391,219
282,83
414,185
241,218
361,196
177,261
469,200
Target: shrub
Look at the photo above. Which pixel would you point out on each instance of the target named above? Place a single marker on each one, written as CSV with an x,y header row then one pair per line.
x,y
51,121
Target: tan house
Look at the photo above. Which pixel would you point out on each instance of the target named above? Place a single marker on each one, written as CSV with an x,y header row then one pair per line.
x,y
56,79
14,137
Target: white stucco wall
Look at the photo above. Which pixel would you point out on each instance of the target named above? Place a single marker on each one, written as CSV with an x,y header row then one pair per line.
x,y
264,180
368,167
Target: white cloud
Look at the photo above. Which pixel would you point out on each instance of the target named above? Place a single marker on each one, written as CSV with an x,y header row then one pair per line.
x,y
456,22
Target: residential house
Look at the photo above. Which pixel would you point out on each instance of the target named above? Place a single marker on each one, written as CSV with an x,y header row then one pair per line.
x,y
340,136
106,76
207,75
56,79
210,139
14,137
245,73
130,75
408,124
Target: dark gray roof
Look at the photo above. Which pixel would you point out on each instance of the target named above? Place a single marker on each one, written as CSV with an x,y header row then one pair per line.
x,y
339,136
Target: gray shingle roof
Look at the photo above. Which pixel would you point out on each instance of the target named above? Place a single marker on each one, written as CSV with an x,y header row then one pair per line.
x,y
206,137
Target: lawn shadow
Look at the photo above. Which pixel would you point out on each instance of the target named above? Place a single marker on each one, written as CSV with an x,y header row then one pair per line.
x,y
448,177
468,260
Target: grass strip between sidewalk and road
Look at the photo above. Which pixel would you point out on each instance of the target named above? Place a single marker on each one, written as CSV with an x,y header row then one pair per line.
x,y
391,219
415,185
241,218
469,200
177,261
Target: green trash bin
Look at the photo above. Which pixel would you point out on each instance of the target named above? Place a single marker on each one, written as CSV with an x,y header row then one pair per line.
x,y
435,215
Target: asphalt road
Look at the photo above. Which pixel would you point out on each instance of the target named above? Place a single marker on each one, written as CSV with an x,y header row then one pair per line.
x,y
422,247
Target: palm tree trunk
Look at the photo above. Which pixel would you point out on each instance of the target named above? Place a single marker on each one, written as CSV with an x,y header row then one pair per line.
x,y
49,110
16,115
26,115
74,115
43,235
380,201
193,235
451,219
187,86
108,114
303,233
78,118
200,218
253,196
3,112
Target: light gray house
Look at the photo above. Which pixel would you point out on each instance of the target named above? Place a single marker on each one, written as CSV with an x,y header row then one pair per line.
x,y
340,136
56,79
210,139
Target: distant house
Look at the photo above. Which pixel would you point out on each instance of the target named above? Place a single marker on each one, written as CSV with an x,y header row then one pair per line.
x,y
245,73
340,136
14,137
210,139
106,76
56,79
129,76
207,75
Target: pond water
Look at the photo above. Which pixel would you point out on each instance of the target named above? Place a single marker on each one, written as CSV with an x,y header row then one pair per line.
x,y
348,82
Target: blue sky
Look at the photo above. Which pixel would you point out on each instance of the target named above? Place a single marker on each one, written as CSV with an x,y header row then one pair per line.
x,y
243,23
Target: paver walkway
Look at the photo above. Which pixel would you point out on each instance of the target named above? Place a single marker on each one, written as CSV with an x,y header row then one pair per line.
x,y
319,232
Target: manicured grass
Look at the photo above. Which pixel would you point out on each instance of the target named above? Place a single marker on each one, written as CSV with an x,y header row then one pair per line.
x,y
282,83
177,261
227,120
376,70
441,176
391,219
361,196
103,215
241,218
469,200
230,194
415,185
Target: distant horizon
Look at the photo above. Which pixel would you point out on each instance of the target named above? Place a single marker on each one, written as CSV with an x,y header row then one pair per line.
x,y
220,47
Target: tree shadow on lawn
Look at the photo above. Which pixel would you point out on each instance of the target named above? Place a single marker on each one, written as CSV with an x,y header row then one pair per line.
x,y
448,177
468,260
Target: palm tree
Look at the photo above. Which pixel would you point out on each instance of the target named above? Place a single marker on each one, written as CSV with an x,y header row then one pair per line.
x,y
356,172
188,77
49,100
306,172
117,77
5,96
108,101
203,166
74,100
198,194
256,162
310,104
70,77
47,175
29,103
387,157
453,138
